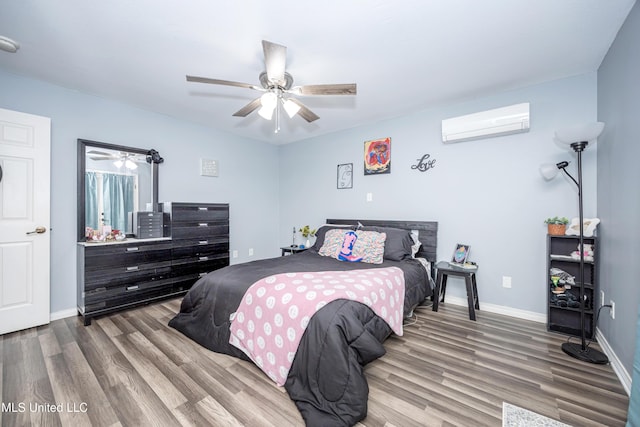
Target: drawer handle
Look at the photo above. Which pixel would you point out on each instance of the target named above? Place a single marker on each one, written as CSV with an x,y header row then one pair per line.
x,y
134,268
132,287
203,242
203,224
202,209
132,249
203,258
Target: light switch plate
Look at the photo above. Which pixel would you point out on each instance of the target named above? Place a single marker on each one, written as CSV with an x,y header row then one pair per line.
x,y
208,167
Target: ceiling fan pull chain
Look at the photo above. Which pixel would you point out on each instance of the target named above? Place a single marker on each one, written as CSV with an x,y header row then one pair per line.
x,y
278,116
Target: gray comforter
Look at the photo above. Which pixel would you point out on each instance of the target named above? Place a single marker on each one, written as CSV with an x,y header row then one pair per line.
x,y
326,379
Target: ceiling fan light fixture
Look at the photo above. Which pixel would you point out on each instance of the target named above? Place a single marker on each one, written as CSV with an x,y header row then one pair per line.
x,y
290,107
130,165
118,163
268,101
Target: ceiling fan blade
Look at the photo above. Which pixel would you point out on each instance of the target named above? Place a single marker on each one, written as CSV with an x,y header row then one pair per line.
x,y
101,158
221,82
335,89
247,109
304,112
275,60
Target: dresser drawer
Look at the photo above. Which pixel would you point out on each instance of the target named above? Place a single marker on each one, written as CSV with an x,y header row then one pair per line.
x,y
199,230
197,211
125,274
100,299
186,266
123,260
199,251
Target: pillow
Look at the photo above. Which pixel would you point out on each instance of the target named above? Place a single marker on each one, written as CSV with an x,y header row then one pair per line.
x,y
398,243
415,235
331,241
368,246
322,230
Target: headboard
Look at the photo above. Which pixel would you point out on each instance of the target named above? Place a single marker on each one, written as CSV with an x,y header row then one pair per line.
x,y
428,232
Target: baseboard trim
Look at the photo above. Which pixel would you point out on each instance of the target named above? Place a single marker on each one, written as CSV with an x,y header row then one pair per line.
x,y
501,309
616,364
62,314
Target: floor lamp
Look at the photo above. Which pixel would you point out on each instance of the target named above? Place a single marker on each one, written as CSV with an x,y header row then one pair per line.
x,y
577,138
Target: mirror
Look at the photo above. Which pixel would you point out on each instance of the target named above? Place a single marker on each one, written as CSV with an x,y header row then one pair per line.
x,y
114,181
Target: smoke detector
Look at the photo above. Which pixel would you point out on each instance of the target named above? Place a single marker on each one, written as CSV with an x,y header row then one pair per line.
x,y
8,45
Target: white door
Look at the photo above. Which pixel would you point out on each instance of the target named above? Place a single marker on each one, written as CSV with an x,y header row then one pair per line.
x,y
25,143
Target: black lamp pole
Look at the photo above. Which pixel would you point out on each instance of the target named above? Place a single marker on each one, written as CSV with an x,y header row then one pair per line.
x,y
582,351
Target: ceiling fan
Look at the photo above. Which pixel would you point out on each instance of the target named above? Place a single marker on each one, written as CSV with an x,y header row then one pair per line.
x,y
119,158
277,87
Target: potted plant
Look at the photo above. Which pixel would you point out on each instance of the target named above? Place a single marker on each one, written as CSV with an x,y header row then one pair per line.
x,y
307,232
556,226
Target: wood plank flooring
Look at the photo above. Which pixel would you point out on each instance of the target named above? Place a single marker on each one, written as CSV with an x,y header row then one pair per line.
x,y
131,369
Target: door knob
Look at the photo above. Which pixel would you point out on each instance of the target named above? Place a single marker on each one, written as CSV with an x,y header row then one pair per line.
x,y
38,230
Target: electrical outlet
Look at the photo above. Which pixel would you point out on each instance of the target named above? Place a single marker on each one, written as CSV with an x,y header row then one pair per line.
x,y
369,197
234,254
601,298
250,251
506,281
612,312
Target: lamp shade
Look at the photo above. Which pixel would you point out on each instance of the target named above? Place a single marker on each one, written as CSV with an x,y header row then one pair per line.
x,y
581,133
290,107
268,101
548,171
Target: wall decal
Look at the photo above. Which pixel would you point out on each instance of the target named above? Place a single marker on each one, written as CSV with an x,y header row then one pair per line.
x,y
425,163
377,156
345,176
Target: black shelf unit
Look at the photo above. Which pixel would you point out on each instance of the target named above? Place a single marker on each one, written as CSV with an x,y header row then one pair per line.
x,y
566,319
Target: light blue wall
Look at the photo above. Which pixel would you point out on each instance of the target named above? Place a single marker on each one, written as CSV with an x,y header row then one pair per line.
x,y
486,193
618,181
248,170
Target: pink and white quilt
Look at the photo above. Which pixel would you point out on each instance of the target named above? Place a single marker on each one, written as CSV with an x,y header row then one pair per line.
x,y
276,310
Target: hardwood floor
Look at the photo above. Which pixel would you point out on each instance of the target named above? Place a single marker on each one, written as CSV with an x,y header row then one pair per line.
x,y
131,369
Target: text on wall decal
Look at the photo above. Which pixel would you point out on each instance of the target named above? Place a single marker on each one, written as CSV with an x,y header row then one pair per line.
x,y
425,163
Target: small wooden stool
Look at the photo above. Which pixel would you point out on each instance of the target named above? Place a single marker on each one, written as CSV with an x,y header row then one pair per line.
x,y
446,269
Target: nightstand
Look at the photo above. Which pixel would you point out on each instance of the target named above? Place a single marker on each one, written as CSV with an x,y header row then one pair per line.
x,y
446,269
292,250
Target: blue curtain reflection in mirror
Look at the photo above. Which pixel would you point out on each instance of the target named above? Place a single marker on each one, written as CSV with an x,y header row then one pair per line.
x,y
109,197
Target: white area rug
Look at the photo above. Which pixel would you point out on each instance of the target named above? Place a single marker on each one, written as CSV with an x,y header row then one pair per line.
x,y
514,416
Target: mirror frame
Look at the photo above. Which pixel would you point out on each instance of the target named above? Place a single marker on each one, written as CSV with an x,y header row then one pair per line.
x,y
82,147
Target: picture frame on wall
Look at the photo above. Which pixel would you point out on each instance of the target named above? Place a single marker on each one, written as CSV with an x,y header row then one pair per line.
x,y
460,254
345,176
377,156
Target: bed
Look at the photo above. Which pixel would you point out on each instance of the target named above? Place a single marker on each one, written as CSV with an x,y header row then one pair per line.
x,y
325,375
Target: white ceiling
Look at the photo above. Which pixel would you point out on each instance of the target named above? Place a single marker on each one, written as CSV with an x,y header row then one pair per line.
x,y
403,55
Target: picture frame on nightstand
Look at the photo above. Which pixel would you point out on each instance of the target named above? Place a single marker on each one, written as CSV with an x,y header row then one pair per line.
x,y
460,254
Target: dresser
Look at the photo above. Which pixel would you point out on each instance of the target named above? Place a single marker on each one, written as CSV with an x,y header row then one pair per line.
x,y
200,239
120,275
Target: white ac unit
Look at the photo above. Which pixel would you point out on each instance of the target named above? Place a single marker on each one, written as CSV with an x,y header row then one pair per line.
x,y
496,122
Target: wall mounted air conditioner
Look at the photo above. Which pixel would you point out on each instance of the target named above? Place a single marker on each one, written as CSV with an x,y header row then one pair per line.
x,y
496,122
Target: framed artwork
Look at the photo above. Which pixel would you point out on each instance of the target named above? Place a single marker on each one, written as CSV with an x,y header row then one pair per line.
x,y
345,176
377,156
460,254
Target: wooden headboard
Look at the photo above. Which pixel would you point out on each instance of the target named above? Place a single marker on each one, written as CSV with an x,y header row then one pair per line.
x,y
428,232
